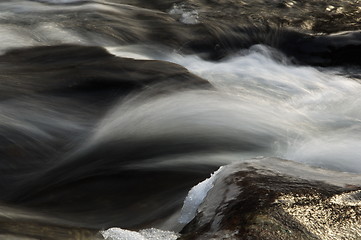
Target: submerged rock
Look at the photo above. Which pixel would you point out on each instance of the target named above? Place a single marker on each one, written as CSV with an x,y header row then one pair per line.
x,y
20,224
256,199
278,199
87,70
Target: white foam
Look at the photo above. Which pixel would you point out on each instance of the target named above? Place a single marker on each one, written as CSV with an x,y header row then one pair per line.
x,y
33,23
297,112
335,151
326,106
61,1
184,13
15,37
312,114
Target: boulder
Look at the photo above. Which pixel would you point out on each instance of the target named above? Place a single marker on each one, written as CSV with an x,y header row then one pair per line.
x,y
277,199
86,70
20,224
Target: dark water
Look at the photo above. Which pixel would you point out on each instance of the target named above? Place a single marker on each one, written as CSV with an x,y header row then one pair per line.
x,y
112,110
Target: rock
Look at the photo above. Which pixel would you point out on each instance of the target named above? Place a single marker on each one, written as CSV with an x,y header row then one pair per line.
x,y
17,224
329,50
63,69
58,93
278,199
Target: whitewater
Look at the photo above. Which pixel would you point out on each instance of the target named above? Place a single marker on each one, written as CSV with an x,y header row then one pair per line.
x,y
71,131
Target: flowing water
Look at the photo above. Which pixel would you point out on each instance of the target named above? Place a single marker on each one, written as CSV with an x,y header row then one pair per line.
x,y
138,154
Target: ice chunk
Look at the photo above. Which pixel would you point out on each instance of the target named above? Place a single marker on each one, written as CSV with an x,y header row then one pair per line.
x,y
121,234
195,197
145,234
157,234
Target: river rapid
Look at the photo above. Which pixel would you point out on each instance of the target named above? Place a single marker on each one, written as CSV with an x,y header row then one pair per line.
x,y
112,110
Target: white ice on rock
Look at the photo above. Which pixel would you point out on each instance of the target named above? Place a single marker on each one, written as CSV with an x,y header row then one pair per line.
x,y
157,234
195,197
145,234
121,234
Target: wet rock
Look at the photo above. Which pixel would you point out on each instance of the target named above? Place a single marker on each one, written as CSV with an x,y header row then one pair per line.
x,y
212,29
79,84
316,16
63,91
85,69
278,199
329,50
17,224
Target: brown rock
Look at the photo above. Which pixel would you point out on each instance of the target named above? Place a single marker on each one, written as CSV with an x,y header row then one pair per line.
x,y
278,199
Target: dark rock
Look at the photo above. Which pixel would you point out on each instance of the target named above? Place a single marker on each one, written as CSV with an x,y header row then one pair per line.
x,y
62,91
16,224
315,16
328,50
55,87
278,199
295,27
74,68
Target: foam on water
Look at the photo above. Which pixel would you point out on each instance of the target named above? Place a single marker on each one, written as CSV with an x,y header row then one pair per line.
x,y
326,104
33,7
37,23
184,13
312,115
61,1
14,37
261,105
